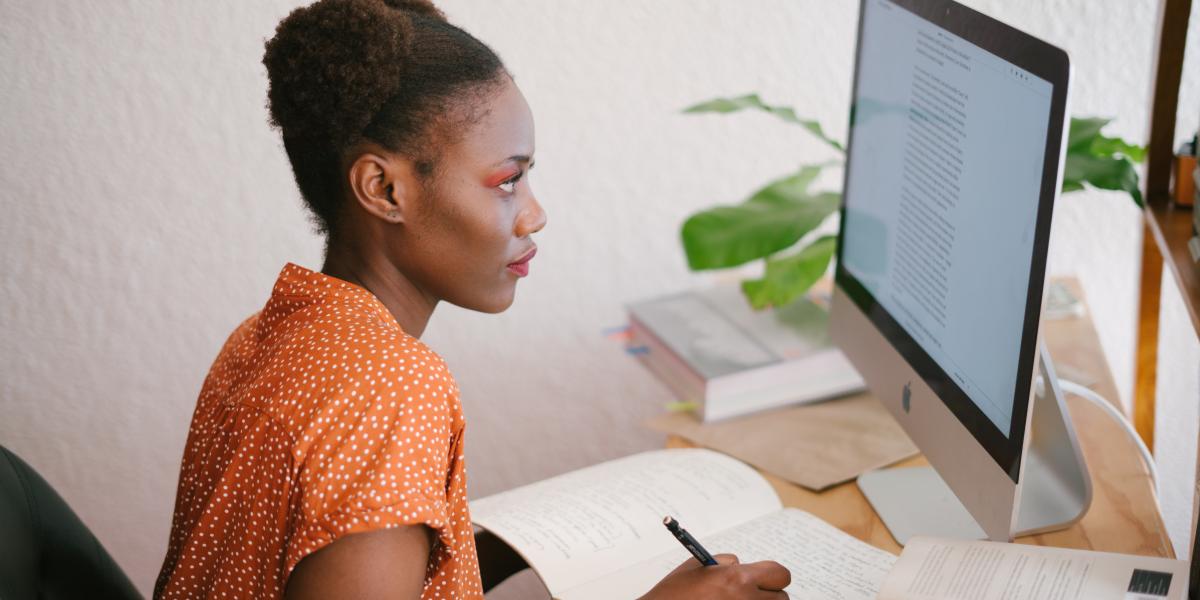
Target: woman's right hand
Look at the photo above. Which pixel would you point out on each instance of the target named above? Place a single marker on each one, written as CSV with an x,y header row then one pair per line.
x,y
727,580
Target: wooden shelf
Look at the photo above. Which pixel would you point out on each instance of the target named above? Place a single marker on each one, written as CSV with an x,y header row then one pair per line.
x,y
1172,228
1166,230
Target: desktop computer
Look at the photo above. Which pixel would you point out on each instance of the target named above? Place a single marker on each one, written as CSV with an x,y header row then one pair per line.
x,y
956,146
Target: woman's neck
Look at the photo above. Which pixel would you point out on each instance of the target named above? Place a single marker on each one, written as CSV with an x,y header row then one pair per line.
x,y
411,307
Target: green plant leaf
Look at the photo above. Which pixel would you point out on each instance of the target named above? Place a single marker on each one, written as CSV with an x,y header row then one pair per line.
x,y
1085,138
787,278
1101,161
791,188
1083,131
771,220
1110,147
752,101
1107,173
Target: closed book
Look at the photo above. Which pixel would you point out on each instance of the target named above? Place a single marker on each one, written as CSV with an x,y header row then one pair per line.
x,y
1196,200
710,348
1196,203
1194,243
1196,183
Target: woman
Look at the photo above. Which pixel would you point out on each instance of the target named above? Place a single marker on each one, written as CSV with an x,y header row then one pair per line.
x,y
325,456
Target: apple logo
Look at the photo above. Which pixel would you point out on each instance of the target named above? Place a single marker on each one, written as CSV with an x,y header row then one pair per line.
x,y
906,397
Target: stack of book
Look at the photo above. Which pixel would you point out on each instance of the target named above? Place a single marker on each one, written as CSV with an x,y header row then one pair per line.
x,y
1194,243
1196,199
716,353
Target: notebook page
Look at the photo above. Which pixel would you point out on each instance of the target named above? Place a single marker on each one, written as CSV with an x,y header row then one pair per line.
x,y
581,525
826,564
939,569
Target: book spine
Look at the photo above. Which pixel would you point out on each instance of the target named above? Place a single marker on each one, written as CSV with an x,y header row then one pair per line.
x,y
1196,201
668,367
811,379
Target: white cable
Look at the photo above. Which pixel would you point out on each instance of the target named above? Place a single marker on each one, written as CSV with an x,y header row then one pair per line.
x,y
1087,393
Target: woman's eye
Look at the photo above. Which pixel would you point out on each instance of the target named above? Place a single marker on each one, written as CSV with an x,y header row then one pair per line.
x,y
510,186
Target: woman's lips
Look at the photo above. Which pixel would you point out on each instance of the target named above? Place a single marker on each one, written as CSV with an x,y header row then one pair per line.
x,y
521,266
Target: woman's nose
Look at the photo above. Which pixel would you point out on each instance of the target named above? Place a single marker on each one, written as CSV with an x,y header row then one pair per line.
x,y
531,220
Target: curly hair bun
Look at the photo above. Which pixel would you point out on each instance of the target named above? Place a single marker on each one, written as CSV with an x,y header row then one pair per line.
x,y
357,47
420,7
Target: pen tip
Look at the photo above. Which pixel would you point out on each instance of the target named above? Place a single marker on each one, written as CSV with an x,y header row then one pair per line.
x,y
668,521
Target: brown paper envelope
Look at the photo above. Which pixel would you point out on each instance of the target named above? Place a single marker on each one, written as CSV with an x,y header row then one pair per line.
x,y
815,445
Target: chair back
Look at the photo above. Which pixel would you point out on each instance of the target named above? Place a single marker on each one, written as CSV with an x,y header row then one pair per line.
x,y
46,552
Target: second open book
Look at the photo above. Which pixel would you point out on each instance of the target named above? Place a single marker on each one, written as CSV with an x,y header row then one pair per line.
x,y
598,532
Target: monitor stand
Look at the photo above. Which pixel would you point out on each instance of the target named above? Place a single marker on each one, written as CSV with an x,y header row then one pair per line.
x,y
1055,493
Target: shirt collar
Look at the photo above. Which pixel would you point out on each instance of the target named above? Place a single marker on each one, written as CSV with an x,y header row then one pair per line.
x,y
296,282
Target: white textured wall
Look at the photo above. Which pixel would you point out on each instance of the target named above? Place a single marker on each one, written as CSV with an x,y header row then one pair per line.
x,y
147,208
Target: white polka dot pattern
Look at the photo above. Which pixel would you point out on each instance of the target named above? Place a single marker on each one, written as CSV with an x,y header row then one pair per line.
x,y
319,418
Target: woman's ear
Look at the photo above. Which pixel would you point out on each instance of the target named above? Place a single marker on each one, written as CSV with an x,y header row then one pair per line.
x,y
383,184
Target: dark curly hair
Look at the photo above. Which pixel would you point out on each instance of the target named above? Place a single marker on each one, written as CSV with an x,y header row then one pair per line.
x,y
388,71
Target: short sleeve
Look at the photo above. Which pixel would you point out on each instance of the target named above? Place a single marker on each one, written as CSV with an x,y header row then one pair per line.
x,y
375,456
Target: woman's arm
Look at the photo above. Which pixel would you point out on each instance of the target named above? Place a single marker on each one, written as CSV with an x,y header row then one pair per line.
x,y
497,560
385,563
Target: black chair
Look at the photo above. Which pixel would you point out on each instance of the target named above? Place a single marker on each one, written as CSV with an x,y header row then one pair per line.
x,y
46,552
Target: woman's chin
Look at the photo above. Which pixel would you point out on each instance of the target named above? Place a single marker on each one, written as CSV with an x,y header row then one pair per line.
x,y
497,302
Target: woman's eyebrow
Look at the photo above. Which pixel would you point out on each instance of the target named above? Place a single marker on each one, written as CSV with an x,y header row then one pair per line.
x,y
519,158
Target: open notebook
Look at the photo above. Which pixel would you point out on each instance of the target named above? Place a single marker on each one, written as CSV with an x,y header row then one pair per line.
x,y
940,569
598,533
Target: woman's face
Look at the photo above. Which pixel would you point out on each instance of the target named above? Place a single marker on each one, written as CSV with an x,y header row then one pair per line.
x,y
470,237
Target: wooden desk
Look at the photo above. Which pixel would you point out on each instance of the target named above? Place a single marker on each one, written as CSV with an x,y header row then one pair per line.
x,y
1124,516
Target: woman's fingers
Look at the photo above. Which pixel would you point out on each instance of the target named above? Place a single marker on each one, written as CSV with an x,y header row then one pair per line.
x,y
768,575
776,595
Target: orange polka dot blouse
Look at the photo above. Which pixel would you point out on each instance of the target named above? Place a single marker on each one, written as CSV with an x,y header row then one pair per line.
x,y
320,418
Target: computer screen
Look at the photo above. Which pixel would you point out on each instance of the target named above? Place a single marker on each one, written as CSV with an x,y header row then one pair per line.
x,y
948,146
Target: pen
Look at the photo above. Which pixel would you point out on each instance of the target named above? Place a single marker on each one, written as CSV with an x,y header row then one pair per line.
x,y
689,542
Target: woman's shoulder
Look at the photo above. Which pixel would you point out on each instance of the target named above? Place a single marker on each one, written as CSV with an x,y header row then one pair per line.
x,y
363,345
338,332
358,365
